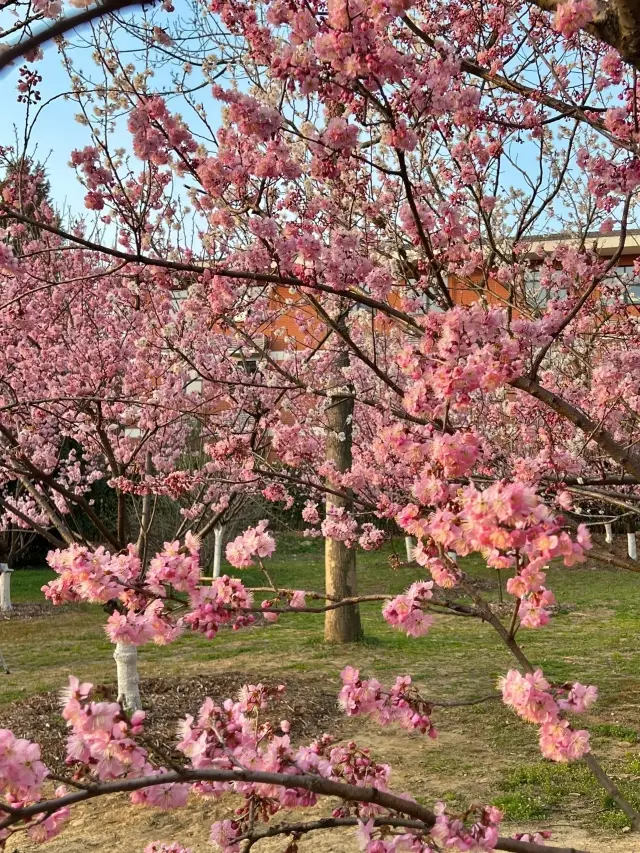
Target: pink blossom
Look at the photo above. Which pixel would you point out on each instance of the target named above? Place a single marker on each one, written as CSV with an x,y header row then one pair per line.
x,y
44,829
534,700
21,771
572,15
254,542
405,613
298,599
310,513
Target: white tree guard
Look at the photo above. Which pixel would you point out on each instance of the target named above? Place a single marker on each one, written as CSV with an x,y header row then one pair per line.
x,y
217,552
126,658
5,588
410,546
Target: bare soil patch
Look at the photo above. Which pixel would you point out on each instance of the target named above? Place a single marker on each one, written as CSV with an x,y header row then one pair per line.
x,y
310,710
33,610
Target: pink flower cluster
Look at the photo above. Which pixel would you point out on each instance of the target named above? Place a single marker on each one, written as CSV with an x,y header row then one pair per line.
x,y
534,700
86,575
572,15
21,771
481,835
401,704
340,525
310,513
462,351
139,627
142,613
276,492
511,526
529,587
254,542
102,741
371,537
219,604
405,612
252,117
444,574
176,566
451,832
8,263
156,132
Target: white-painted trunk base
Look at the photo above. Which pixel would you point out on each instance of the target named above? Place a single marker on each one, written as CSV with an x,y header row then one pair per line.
x,y
217,550
126,658
608,534
452,556
409,544
631,546
5,588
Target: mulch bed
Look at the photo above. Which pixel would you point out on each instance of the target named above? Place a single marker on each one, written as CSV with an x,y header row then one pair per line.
x,y
33,610
310,710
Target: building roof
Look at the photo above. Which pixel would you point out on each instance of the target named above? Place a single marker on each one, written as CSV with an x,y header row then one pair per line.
x,y
607,244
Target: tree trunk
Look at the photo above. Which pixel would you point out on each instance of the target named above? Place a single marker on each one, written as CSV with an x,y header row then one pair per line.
x,y
5,588
341,625
409,545
126,658
217,549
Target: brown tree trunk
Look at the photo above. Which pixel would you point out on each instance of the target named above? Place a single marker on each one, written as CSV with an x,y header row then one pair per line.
x,y
341,625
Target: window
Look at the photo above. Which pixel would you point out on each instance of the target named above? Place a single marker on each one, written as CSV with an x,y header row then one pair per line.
x,y
624,275
177,297
534,295
538,296
426,295
429,302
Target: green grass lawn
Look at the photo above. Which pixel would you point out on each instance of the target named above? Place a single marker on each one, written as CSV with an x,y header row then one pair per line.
x,y
483,752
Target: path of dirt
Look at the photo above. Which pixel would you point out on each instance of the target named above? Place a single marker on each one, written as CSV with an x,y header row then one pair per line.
x,y
120,828
114,826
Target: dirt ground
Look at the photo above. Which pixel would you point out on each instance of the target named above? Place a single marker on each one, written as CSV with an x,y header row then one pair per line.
x,y
118,828
114,826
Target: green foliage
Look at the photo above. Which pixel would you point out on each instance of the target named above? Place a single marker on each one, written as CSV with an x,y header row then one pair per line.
x,y
521,807
552,787
616,731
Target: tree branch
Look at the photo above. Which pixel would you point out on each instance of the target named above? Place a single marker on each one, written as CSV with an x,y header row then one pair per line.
x,y
307,782
62,26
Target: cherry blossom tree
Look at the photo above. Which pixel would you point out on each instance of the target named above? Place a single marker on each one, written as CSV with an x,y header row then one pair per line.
x,y
366,226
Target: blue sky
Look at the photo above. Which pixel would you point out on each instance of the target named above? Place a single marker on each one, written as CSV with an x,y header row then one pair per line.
x,y
57,133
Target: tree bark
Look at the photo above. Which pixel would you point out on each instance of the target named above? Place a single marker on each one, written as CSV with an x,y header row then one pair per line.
x,y
126,658
341,625
5,588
